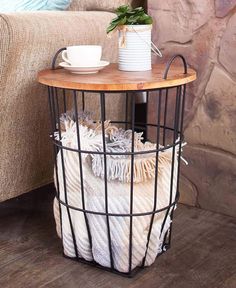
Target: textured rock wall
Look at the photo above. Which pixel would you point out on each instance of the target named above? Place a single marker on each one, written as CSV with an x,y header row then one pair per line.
x,y
205,33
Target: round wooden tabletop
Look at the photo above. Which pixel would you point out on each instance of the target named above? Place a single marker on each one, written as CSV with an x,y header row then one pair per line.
x,y
112,79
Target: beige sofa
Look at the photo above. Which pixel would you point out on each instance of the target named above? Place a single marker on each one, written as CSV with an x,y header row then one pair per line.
x,y
28,43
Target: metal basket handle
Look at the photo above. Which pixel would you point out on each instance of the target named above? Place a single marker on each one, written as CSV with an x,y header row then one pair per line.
x,y
55,57
171,61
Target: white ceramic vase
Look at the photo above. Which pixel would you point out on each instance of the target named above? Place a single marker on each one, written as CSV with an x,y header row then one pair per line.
x,y
135,47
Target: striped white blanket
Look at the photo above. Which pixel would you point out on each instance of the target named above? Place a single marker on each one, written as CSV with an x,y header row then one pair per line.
x,y
118,202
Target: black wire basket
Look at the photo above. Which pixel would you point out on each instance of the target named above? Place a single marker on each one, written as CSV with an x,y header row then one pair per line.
x,y
120,225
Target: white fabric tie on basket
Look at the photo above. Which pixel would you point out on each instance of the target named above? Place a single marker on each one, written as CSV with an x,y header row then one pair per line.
x,y
118,202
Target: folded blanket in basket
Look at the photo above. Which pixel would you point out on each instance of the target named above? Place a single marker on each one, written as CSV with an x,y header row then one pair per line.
x,y
74,230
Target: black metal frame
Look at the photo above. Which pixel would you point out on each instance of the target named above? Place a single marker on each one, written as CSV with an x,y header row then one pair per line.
x,y
58,95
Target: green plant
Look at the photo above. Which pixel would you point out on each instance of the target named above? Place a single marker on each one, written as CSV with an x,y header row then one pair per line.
x,y
129,16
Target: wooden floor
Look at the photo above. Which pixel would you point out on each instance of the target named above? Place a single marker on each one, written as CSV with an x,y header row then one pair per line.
x,y
203,252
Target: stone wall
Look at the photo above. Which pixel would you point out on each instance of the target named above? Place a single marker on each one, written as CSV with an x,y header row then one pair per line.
x,y
204,32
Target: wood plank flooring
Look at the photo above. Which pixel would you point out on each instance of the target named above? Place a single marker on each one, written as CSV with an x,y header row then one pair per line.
x,y
203,253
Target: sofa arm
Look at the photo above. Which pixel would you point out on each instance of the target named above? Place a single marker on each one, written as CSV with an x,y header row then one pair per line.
x,y
28,43
33,37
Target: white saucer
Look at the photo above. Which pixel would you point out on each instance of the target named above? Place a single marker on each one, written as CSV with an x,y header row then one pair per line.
x,y
84,70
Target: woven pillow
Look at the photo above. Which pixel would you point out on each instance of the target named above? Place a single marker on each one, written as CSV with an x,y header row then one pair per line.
x,y
102,5
33,5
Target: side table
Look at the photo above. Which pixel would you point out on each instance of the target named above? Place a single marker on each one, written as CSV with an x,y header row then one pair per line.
x,y
64,87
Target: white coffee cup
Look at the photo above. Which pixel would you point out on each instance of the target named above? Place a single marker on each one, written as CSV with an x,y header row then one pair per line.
x,y
83,55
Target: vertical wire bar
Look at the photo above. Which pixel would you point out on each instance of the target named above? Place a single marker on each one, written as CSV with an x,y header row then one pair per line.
x,y
182,101
102,103
156,174
181,129
64,176
132,183
81,169
52,107
175,135
64,100
54,114
55,150
52,117
126,109
83,101
146,126
165,116
104,108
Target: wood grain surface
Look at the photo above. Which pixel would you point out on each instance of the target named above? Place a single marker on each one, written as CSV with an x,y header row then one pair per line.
x,y
202,255
112,79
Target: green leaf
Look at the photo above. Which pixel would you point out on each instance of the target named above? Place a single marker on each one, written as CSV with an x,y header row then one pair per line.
x,y
133,19
123,21
148,20
145,19
118,22
131,11
138,9
115,20
111,27
122,9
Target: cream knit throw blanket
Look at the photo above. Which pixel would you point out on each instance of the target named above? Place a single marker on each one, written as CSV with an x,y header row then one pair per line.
x,y
118,174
